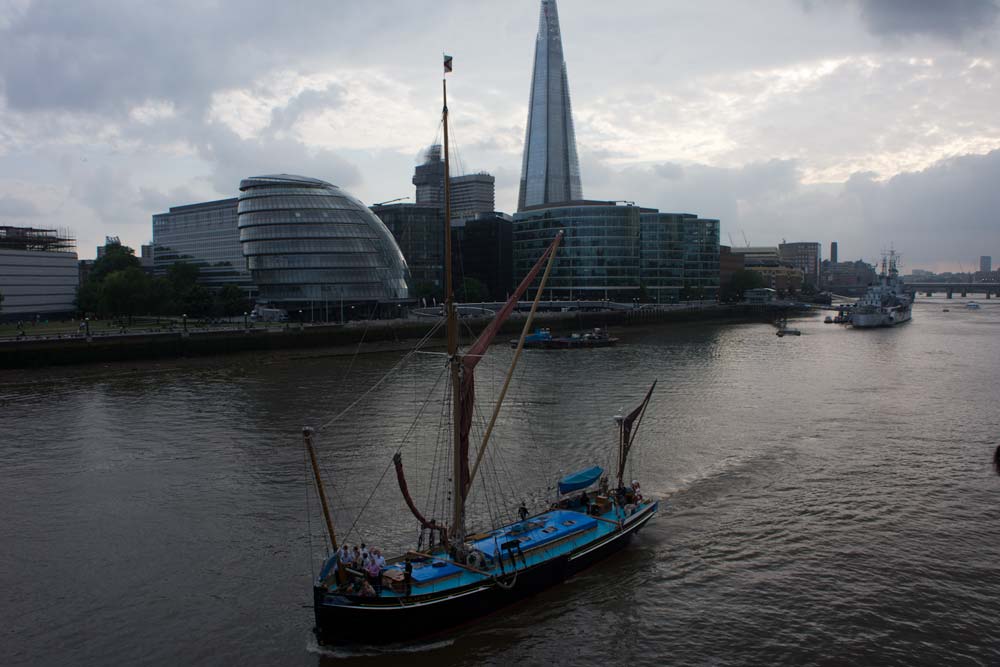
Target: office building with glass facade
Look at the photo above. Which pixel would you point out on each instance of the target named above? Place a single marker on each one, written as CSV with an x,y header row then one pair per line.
x,y
680,257
599,255
419,233
482,249
700,243
309,243
662,255
205,235
621,252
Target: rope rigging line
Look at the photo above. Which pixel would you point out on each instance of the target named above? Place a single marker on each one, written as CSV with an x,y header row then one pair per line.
x,y
391,463
435,495
399,364
541,462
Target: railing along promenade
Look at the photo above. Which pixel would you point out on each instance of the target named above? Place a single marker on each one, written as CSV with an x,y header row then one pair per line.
x,y
111,344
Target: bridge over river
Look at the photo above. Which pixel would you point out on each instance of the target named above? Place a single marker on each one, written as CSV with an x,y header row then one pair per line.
x,y
964,289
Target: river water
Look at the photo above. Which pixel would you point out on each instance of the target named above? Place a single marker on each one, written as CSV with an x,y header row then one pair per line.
x,y
828,499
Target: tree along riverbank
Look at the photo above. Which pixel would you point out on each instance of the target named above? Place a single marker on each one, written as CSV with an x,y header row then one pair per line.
x,y
364,336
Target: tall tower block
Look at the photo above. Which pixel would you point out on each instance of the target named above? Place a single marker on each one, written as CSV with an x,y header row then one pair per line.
x,y
550,170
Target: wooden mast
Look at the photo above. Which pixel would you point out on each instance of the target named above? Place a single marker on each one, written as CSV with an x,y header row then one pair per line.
x,y
454,360
307,436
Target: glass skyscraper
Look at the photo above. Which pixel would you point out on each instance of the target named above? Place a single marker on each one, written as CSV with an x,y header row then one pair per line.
x,y
307,242
550,170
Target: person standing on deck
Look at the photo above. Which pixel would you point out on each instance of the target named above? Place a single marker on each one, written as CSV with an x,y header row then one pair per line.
x,y
374,572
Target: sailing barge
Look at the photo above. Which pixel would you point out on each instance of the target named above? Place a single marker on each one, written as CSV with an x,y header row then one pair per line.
x,y
464,574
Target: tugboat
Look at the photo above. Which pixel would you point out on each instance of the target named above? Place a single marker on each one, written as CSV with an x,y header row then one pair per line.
x,y
543,339
455,573
885,304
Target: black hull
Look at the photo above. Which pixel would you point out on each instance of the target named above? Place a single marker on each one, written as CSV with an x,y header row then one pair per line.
x,y
391,621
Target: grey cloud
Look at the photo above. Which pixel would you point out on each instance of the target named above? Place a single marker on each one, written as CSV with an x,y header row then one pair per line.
x,y
284,118
713,192
154,200
17,207
107,56
669,171
234,158
951,19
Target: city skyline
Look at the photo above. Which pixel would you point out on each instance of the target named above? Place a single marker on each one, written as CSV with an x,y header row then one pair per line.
x,y
869,123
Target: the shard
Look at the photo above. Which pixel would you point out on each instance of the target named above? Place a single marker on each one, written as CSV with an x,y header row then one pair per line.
x,y
550,171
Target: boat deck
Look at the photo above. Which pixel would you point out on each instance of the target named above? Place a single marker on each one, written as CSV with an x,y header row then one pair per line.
x,y
503,551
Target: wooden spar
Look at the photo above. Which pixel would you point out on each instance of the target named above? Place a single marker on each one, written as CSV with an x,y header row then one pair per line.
x,y
307,436
513,363
455,362
621,448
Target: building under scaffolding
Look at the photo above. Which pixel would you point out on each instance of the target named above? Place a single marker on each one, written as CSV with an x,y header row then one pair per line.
x,y
36,240
38,272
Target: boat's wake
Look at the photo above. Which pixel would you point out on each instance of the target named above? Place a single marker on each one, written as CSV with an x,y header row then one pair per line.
x,y
360,651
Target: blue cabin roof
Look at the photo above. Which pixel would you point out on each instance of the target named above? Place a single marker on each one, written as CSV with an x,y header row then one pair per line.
x,y
580,479
548,527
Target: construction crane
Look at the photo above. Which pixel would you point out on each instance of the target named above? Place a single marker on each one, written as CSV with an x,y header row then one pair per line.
x,y
383,203
745,238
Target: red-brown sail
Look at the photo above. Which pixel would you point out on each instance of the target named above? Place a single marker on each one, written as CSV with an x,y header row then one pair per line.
x,y
404,489
475,353
626,434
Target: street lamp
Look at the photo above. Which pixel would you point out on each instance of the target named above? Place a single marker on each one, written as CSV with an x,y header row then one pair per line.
x,y
184,317
244,319
87,321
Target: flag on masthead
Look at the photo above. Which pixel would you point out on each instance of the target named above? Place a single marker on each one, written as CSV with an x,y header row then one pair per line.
x,y
447,64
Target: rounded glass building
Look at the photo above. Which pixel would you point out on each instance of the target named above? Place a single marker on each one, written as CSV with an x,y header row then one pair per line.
x,y
308,243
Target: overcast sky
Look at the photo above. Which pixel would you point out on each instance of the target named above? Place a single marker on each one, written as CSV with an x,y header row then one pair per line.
x,y
868,122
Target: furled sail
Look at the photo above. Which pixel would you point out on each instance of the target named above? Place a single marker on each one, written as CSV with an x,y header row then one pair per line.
x,y
476,352
404,489
626,432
